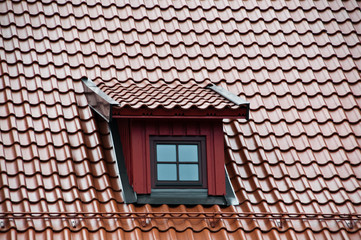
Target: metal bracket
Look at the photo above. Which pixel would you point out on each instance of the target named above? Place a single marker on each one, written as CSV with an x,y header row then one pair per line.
x,y
74,222
279,222
144,221
2,223
213,221
349,223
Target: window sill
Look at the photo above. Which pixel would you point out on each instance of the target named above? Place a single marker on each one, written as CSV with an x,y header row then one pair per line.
x,y
188,196
180,196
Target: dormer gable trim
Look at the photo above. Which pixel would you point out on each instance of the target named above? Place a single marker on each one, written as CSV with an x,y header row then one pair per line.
x,y
98,100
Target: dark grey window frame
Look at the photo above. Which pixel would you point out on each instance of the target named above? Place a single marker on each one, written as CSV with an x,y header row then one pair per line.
x,y
200,141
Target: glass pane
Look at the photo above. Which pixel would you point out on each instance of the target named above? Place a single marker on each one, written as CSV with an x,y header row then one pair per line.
x,y
166,153
188,172
188,153
167,172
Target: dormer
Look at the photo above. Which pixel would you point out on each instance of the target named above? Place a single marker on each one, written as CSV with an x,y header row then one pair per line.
x,y
169,139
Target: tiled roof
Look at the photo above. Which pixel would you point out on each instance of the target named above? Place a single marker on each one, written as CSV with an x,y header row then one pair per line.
x,y
298,63
165,95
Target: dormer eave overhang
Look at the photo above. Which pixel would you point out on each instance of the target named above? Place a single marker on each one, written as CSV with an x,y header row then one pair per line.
x,y
190,113
108,108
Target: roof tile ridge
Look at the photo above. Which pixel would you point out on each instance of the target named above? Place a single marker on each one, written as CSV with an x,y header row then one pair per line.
x,y
323,106
297,162
250,30
183,43
311,201
299,177
304,190
77,175
300,134
75,199
256,149
60,187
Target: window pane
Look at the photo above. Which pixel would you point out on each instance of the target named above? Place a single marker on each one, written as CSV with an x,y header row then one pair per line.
x,y
188,153
188,172
167,172
166,153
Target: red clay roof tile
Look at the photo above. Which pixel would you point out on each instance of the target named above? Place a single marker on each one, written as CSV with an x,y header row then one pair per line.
x,y
297,63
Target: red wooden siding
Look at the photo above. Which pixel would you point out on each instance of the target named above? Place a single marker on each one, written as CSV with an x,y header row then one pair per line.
x,y
135,134
124,133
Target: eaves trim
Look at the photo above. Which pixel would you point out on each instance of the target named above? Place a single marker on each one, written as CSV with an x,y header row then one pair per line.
x,y
191,113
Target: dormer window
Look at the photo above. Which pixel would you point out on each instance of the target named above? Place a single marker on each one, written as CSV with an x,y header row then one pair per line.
x,y
178,162
169,150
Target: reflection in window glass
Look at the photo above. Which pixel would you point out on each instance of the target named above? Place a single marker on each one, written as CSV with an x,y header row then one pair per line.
x,y
188,153
188,172
166,153
167,172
